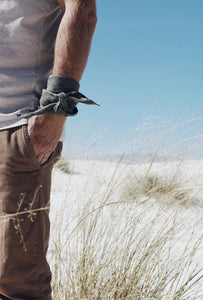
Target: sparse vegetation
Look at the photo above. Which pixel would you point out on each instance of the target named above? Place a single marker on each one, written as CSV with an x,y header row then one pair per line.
x,y
121,248
63,165
163,189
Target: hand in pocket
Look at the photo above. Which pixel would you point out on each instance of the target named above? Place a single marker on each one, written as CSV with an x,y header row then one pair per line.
x,y
44,132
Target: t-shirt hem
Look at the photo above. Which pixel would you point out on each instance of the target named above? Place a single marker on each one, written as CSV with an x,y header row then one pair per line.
x,y
14,124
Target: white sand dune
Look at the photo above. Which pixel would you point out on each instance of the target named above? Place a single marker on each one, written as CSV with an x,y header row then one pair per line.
x,y
77,194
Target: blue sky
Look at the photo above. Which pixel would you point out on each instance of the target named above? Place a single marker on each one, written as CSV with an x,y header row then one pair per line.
x,y
146,62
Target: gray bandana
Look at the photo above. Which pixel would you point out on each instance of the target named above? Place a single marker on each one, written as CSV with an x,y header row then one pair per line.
x,y
60,97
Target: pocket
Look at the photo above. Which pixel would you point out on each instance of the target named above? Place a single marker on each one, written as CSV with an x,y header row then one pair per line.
x,y
29,147
54,156
57,152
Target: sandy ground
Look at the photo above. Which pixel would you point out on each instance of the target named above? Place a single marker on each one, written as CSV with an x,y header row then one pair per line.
x,y
90,180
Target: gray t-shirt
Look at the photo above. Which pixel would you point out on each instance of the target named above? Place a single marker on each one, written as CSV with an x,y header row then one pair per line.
x,y
28,31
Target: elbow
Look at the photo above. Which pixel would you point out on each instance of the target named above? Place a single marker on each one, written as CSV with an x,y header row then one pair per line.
x,y
92,22
92,19
83,13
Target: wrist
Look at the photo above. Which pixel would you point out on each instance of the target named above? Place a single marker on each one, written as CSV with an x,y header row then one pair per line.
x,y
60,98
59,84
54,117
49,119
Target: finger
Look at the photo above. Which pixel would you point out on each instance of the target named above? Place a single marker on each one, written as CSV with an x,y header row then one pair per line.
x,y
42,152
43,157
40,157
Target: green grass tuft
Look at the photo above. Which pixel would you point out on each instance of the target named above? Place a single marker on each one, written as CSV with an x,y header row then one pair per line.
x,y
63,165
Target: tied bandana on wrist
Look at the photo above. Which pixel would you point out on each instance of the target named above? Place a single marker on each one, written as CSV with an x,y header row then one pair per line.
x,y
60,97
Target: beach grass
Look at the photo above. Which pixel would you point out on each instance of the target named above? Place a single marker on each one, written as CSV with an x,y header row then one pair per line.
x,y
131,239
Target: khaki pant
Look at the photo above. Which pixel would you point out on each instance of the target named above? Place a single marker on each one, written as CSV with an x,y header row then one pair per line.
x,y
24,219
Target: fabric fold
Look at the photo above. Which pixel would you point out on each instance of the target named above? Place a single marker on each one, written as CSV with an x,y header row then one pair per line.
x,y
59,103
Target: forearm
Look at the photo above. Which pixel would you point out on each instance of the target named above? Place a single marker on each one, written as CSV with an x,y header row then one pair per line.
x,y
71,53
74,38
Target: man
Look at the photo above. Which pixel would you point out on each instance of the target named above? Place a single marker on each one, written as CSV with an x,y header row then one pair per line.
x,y
34,36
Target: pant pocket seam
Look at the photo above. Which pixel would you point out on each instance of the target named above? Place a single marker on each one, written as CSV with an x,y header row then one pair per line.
x,y
29,145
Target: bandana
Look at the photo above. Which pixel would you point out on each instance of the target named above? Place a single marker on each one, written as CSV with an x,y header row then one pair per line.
x,y
61,97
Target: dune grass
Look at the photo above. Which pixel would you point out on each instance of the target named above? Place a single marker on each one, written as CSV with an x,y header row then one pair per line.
x,y
63,165
120,248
